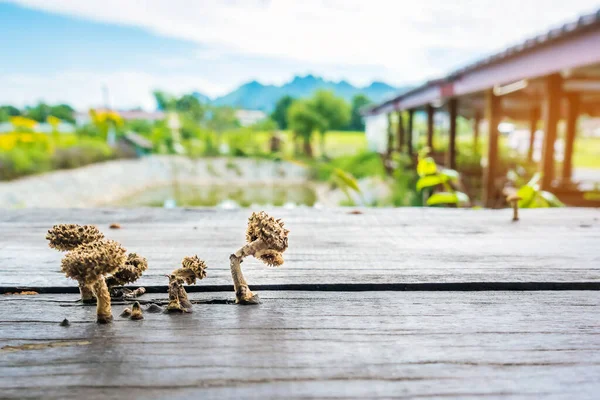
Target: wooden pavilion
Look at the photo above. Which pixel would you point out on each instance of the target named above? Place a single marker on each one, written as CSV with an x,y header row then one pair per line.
x,y
548,78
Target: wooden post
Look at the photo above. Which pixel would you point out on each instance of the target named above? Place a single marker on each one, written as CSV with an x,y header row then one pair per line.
x,y
400,132
409,143
452,114
572,116
492,115
533,123
430,126
390,136
551,117
476,124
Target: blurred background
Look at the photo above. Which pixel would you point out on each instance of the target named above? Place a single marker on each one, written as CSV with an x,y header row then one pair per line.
x,y
299,104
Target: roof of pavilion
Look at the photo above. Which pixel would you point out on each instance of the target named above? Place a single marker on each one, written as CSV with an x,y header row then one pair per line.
x,y
573,45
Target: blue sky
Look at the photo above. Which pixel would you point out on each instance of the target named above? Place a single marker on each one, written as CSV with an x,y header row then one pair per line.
x,y
67,50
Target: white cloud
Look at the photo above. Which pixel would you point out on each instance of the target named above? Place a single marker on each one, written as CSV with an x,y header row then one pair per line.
x,y
395,33
399,41
84,89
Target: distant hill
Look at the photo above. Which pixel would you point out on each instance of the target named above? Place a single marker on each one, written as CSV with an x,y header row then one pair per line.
x,y
256,96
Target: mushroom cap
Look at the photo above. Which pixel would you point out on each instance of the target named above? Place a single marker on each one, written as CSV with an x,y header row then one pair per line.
x,y
64,237
91,261
513,197
134,267
192,268
272,258
268,229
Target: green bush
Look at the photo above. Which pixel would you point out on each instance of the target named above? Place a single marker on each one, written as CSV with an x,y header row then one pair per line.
x,y
28,159
85,152
23,161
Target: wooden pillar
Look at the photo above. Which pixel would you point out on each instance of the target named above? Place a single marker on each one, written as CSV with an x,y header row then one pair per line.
x,y
476,123
430,126
572,116
409,131
533,123
452,114
390,136
493,112
551,117
400,132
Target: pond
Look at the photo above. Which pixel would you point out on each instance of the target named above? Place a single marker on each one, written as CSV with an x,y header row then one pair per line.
x,y
226,196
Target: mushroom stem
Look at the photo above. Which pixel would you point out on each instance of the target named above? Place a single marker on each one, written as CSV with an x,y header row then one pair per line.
x,y
103,310
178,300
515,205
87,294
243,294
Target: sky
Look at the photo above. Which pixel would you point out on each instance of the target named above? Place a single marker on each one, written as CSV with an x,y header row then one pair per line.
x,y
68,50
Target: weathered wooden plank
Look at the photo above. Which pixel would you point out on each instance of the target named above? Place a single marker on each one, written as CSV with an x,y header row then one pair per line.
x,y
328,245
306,344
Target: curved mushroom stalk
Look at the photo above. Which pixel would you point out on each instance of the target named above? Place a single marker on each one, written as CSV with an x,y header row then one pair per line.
x,y
266,240
243,294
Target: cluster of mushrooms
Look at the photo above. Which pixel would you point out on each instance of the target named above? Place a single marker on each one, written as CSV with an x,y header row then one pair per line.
x,y
102,266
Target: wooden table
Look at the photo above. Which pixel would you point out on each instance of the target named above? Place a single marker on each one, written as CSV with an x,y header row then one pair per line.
x,y
388,303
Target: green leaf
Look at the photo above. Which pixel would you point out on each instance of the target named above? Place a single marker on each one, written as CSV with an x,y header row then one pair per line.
x,y
442,198
451,174
527,194
426,166
347,179
551,198
431,180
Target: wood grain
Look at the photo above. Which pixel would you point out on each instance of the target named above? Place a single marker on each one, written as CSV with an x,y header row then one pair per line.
x,y
306,344
327,246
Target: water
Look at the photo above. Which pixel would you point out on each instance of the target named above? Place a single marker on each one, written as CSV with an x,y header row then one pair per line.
x,y
225,196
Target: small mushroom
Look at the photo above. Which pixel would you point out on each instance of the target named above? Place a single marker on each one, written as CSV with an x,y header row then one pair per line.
x,y
266,240
136,311
89,264
126,312
192,268
115,226
65,322
513,200
66,237
130,272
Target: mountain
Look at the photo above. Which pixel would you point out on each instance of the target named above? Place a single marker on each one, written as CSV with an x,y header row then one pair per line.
x,y
256,96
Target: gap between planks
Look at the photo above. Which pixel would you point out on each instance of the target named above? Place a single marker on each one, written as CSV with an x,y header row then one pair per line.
x,y
352,287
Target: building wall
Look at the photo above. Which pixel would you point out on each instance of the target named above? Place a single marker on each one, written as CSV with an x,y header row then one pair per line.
x,y
376,131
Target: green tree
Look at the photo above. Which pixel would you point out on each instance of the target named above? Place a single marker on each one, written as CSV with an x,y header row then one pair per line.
x,y
222,118
356,121
280,113
334,112
8,111
304,120
39,113
64,112
190,105
164,101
